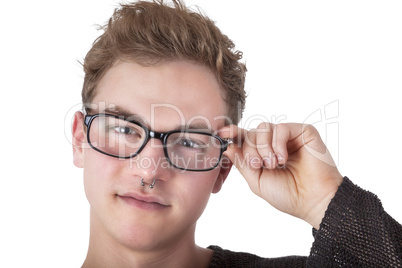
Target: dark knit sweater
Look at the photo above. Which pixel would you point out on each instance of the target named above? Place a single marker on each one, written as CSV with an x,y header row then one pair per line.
x,y
355,232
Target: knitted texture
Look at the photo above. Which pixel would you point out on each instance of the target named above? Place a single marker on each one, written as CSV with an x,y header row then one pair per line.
x,y
355,232
229,259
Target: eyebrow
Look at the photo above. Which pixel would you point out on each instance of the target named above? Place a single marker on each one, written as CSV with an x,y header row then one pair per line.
x,y
127,115
120,112
196,126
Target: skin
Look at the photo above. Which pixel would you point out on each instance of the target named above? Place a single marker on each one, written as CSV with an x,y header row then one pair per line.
x,y
287,165
128,236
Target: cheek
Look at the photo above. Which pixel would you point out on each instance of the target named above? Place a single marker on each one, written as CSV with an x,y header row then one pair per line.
x,y
98,171
196,190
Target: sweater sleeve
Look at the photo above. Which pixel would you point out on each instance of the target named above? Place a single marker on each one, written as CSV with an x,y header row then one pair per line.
x,y
356,232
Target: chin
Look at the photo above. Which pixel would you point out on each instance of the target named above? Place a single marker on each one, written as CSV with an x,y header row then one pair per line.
x,y
141,237
138,239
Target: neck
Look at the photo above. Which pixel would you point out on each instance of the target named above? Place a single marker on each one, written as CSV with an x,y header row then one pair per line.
x,y
106,251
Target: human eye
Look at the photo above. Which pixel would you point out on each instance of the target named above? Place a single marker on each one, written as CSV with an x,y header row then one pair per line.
x,y
191,144
123,129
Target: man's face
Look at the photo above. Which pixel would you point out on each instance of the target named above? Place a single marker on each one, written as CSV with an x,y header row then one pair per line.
x,y
165,97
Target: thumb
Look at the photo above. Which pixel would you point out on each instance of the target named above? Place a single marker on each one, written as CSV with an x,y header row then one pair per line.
x,y
235,154
234,151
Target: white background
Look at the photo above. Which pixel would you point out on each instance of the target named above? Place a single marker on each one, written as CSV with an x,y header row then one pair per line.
x,y
302,56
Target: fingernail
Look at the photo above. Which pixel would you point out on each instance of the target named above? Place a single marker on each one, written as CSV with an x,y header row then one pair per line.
x,y
267,162
280,158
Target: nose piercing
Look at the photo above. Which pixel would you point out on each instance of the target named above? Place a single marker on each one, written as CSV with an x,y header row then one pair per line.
x,y
150,186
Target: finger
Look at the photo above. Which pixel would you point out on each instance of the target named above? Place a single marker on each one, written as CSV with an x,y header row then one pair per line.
x,y
234,151
233,132
235,155
280,139
250,152
242,153
264,136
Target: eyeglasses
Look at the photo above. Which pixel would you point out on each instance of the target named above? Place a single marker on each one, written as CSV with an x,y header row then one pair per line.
x,y
190,150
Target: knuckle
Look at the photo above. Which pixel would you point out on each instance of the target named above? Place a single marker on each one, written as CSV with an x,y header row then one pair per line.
x,y
265,126
281,127
250,136
249,142
263,149
309,130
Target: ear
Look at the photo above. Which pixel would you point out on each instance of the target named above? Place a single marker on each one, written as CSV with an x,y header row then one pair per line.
x,y
79,139
226,166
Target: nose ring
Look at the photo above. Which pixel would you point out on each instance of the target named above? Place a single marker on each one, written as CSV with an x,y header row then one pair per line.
x,y
150,186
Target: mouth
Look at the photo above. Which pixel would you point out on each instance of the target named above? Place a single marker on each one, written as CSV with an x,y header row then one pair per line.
x,y
142,202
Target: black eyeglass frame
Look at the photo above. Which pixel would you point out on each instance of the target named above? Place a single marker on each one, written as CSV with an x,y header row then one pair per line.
x,y
162,136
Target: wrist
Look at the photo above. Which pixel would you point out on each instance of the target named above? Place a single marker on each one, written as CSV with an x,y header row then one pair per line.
x,y
317,211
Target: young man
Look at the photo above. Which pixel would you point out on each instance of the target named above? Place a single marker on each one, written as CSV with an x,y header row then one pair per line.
x,y
163,92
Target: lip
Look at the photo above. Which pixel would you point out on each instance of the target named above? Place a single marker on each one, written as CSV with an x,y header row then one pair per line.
x,y
143,202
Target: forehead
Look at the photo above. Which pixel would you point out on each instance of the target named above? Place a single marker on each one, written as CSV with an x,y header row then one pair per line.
x,y
164,95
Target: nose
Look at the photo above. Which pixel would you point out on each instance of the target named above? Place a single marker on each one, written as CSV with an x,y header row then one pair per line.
x,y
151,163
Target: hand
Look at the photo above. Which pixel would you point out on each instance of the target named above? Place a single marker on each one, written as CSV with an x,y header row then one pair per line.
x,y
288,165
